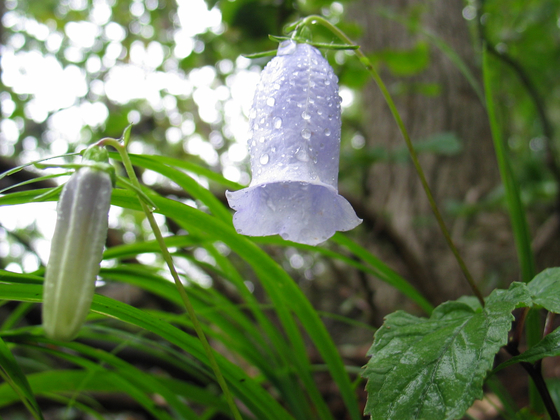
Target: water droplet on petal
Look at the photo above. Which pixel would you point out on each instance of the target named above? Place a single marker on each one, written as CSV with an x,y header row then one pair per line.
x,y
277,122
306,116
306,133
327,83
285,236
253,113
327,132
271,205
264,159
270,101
302,155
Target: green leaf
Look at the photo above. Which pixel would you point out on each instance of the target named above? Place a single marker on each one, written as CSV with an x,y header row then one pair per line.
x,y
243,386
405,62
15,379
545,289
547,347
434,368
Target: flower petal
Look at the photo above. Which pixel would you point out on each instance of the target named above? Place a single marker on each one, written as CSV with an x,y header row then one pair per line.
x,y
299,211
295,147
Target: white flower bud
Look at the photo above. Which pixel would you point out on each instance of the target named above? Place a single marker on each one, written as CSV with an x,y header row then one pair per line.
x,y
295,147
76,251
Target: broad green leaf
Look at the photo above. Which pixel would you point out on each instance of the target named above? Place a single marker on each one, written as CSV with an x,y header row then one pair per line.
x,y
434,368
545,289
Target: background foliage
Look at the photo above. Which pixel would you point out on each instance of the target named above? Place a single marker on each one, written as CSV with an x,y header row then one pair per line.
x,y
290,324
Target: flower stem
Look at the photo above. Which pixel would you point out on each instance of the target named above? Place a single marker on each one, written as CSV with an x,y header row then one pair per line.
x,y
169,261
367,64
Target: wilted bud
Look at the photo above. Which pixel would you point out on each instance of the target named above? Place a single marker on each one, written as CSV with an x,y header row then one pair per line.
x,y
77,247
295,147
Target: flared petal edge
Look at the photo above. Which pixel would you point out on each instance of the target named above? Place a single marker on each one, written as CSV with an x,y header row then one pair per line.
x,y
298,211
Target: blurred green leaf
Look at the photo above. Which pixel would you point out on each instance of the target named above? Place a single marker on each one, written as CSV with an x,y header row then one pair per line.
x,y
405,62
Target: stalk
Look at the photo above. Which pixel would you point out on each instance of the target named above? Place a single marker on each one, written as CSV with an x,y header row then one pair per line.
x,y
169,261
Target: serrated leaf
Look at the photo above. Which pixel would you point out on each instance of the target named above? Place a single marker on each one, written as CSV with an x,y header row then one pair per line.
x,y
545,289
434,368
547,347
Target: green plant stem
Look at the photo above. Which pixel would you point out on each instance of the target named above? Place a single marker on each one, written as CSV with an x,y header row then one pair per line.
x,y
365,61
182,292
535,372
518,222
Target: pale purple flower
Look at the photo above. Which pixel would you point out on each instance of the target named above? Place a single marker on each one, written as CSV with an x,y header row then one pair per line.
x,y
294,147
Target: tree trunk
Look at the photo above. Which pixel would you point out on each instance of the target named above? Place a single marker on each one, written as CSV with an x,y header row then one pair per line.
x,y
394,192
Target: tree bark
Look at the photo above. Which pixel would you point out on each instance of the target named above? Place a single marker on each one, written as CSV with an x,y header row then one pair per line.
x,y
394,192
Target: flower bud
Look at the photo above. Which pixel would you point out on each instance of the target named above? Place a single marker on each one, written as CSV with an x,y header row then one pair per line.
x,y
76,249
295,147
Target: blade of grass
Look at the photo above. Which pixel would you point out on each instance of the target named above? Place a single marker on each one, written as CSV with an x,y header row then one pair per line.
x,y
245,388
16,379
517,217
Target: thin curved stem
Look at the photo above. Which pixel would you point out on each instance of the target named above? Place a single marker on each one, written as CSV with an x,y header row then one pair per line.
x,y
367,64
169,261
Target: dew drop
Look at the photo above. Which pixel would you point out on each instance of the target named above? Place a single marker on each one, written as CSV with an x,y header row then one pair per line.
x,y
264,159
306,133
285,236
306,116
302,155
271,205
253,113
277,122
327,132
327,82
270,101
261,139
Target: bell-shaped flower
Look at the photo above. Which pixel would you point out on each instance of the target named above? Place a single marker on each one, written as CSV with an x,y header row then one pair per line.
x,y
294,149
77,246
